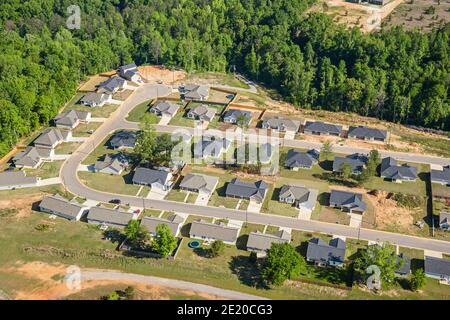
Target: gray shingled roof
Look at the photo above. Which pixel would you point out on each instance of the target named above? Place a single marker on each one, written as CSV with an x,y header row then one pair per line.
x,y
128,71
124,139
234,114
263,241
201,228
390,170
298,159
210,148
281,124
95,97
112,84
31,156
148,176
202,112
349,200
361,131
196,92
165,108
106,215
115,162
441,176
49,137
173,222
320,251
322,127
58,204
196,181
255,190
357,161
70,117
15,178
437,266
301,194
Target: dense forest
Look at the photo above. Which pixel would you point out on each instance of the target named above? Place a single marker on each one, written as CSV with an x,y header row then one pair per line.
x,y
394,75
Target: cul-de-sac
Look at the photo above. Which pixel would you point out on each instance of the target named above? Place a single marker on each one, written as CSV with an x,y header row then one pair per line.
x,y
238,152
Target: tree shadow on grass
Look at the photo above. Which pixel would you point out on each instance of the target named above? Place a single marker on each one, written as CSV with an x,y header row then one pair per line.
x,y
335,179
336,276
202,252
241,242
247,272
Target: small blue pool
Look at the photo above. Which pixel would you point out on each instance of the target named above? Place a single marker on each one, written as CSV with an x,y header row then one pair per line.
x,y
194,244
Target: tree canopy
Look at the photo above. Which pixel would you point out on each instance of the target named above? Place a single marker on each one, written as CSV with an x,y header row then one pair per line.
x,y
396,75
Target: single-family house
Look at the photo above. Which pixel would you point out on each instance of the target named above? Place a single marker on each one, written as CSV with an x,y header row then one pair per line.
x,y
195,92
235,115
255,191
210,147
405,268
130,72
208,231
123,140
16,179
322,129
112,85
111,164
441,176
326,254
63,208
357,162
261,242
32,157
444,220
202,113
165,108
281,124
200,183
51,138
96,99
347,201
298,195
71,119
296,160
174,222
391,171
367,134
438,268
154,178
109,217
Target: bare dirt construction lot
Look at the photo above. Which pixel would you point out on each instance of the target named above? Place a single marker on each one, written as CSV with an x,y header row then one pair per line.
x,y
48,284
367,17
424,15
155,74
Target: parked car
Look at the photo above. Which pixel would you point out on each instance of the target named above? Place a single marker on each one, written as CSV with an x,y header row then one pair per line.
x,y
115,201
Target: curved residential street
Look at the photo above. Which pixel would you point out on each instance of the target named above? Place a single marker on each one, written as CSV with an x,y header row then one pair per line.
x,y
117,121
171,283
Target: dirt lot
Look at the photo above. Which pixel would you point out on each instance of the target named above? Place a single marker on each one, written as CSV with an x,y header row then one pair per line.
x,y
93,81
418,14
50,286
367,17
153,74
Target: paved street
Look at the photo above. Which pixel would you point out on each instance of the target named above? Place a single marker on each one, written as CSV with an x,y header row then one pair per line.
x,y
116,121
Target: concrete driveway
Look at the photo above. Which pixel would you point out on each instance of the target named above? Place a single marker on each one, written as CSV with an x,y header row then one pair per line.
x,y
253,206
164,120
202,199
157,194
355,220
304,214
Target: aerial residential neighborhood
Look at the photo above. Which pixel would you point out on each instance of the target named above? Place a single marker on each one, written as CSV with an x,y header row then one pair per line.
x,y
289,166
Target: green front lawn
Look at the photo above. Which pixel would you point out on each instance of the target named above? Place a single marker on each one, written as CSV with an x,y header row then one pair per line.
x,y
120,184
82,129
138,112
46,170
67,148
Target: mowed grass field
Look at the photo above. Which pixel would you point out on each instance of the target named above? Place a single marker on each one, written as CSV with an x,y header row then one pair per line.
x,y
83,245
